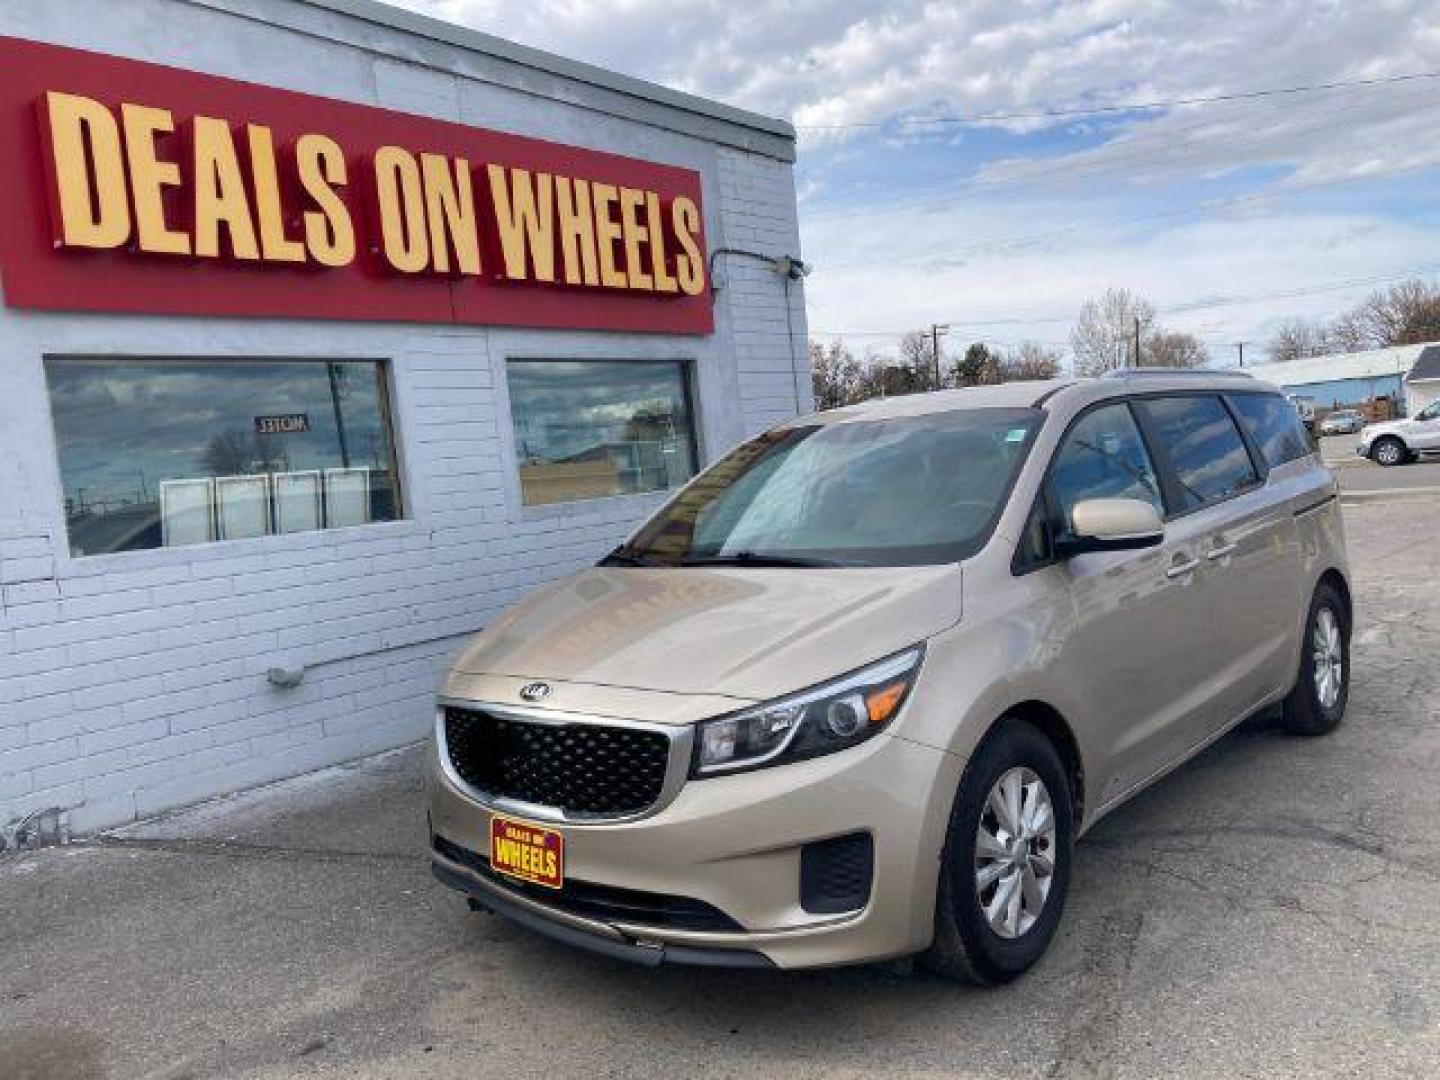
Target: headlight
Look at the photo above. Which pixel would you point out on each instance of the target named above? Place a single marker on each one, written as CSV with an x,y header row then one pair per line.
x,y
826,718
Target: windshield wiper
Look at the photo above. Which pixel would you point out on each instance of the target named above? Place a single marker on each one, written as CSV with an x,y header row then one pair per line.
x,y
755,558
621,557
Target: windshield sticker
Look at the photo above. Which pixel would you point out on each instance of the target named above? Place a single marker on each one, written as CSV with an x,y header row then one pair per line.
x,y
1015,434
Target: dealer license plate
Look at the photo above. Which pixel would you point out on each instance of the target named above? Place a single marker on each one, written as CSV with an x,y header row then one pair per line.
x,y
527,852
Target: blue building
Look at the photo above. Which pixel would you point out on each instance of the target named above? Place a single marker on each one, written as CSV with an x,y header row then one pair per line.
x,y
1347,380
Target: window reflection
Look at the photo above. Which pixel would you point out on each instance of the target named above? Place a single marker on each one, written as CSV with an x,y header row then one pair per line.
x,y
1209,458
588,429
167,453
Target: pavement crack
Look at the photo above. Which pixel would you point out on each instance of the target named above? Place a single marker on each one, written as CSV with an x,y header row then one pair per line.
x,y
1092,1035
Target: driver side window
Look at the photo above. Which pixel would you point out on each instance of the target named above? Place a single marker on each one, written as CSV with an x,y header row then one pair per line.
x,y
1102,457
1430,412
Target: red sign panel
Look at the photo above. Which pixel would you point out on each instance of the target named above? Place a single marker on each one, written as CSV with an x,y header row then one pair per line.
x,y
131,187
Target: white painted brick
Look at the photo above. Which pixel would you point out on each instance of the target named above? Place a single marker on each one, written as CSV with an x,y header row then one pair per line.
x,y
140,677
34,710
29,592
36,662
59,798
31,757
168,747
15,784
125,735
30,568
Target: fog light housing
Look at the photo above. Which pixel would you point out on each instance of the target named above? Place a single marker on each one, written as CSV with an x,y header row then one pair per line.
x,y
836,874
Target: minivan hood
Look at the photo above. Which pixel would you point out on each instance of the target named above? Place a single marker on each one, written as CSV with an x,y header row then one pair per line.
x,y
743,632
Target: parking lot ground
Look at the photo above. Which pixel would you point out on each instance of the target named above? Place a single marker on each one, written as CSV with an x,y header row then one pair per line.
x,y
1271,909
1361,476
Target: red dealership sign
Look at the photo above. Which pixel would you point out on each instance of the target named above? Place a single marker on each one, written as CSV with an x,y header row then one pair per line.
x,y
131,187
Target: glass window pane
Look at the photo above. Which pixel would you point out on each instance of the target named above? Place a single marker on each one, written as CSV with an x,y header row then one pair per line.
x,y
1103,457
896,492
1274,425
162,453
1205,449
588,429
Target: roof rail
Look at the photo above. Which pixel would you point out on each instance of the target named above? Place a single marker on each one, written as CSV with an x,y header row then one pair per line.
x,y
1130,372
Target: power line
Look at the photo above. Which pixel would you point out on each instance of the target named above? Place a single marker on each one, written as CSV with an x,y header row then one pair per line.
x,y
1100,110
1203,304
1203,207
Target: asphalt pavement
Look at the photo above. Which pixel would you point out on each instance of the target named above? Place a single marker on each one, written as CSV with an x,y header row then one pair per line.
x,y
1360,475
1271,909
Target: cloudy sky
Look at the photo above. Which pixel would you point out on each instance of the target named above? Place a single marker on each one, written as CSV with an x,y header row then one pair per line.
x,y
1230,216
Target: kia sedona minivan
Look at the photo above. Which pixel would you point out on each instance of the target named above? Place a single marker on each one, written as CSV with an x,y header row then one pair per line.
x,y
856,690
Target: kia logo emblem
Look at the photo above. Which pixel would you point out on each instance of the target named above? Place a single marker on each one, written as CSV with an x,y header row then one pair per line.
x,y
535,691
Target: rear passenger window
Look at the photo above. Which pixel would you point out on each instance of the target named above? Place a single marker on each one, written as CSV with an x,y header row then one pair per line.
x,y
1274,425
1208,458
1103,456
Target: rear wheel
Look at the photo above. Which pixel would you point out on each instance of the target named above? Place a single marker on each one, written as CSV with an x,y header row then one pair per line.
x,y
1005,870
1317,704
1389,451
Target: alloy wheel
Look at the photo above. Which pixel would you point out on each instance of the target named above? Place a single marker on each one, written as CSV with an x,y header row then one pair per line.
x,y
1015,852
1328,658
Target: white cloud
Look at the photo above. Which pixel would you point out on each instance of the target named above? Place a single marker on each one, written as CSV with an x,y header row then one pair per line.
x,y
822,62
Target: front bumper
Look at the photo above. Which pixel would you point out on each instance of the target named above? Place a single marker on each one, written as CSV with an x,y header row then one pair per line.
x,y
734,843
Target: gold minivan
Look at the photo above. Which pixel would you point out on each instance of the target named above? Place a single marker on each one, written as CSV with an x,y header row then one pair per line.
x,y
854,692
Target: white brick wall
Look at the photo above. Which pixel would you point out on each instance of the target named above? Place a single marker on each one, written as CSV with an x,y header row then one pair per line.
x,y
764,318
136,682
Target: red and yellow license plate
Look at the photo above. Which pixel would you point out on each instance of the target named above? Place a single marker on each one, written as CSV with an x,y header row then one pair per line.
x,y
527,852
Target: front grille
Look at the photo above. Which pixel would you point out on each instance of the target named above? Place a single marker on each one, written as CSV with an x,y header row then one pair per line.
x,y
583,770
608,903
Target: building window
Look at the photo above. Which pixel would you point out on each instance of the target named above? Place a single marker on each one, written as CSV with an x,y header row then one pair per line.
x,y
163,453
588,429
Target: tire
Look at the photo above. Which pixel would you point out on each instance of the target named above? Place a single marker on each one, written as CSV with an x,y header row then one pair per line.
x,y
1314,706
966,945
1389,451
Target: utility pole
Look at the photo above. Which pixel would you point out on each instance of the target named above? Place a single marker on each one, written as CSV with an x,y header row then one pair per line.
x,y
1240,345
333,370
936,329
1137,341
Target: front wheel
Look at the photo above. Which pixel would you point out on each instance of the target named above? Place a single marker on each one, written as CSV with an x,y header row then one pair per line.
x,y
1389,451
1317,704
1005,870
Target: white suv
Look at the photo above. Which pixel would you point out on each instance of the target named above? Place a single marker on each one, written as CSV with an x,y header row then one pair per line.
x,y
1398,442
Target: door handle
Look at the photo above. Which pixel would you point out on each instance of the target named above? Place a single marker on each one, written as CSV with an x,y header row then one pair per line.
x,y
1224,551
1181,569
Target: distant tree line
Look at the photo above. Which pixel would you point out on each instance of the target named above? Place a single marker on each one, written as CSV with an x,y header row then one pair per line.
x,y
842,378
1105,337
1404,314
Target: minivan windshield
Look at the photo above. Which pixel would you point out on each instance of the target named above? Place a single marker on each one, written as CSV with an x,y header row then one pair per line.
x,y
903,491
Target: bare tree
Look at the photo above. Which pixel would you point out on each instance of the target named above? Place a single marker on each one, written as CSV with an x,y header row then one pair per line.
x,y
837,377
1404,314
232,452
1029,361
1104,337
1169,349
1296,339
917,353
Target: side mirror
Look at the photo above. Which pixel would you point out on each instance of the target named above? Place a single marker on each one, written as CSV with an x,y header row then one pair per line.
x,y
1111,525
